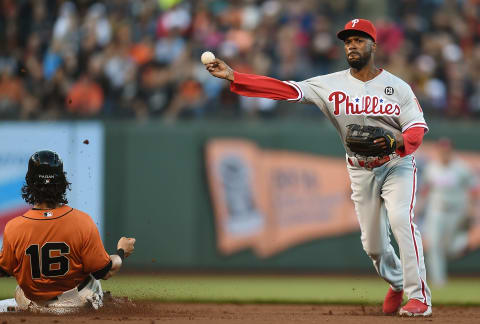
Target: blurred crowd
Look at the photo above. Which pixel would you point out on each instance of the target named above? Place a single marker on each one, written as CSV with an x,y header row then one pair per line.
x,y
139,59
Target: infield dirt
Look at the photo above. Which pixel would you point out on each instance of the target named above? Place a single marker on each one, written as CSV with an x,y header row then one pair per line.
x,y
155,312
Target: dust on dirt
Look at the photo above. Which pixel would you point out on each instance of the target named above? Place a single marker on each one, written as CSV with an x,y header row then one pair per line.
x,y
125,311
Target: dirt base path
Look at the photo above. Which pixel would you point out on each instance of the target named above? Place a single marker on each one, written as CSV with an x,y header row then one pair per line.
x,y
151,313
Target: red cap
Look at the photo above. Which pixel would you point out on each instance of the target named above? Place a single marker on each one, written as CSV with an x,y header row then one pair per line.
x,y
362,25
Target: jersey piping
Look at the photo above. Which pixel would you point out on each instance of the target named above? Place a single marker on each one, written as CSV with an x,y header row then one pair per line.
x,y
48,218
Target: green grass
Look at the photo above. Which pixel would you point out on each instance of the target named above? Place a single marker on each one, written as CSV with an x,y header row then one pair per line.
x,y
268,289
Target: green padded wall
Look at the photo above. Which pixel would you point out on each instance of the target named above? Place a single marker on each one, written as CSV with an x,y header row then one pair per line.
x,y
156,190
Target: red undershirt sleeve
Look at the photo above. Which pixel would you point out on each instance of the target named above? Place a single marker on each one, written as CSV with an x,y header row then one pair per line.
x,y
412,138
252,85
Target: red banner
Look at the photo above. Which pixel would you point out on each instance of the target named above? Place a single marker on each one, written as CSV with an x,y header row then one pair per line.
x,y
272,200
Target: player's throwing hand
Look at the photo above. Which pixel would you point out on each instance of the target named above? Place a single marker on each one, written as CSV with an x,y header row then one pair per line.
x,y
220,69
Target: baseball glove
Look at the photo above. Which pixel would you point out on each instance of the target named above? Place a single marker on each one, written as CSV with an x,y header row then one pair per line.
x,y
359,140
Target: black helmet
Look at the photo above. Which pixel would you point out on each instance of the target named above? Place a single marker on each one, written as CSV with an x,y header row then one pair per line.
x,y
45,167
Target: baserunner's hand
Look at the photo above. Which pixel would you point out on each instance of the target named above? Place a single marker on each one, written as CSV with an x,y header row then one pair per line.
x,y
220,69
127,244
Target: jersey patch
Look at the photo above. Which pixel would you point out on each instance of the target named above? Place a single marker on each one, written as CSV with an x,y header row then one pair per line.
x,y
366,105
389,91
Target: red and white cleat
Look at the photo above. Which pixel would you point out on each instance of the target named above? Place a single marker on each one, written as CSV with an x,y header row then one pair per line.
x,y
414,307
392,301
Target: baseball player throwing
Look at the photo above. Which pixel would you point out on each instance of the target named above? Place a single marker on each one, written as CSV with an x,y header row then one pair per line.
x,y
381,124
55,251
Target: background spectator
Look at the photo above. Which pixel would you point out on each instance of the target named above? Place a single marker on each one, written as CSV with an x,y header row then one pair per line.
x,y
144,54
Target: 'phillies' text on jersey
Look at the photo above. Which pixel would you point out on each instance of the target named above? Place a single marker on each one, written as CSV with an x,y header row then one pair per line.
x,y
366,105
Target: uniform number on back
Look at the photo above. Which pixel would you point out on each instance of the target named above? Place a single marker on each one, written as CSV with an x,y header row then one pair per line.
x,y
46,262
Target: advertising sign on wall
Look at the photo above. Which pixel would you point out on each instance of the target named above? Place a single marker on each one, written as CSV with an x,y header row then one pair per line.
x,y
80,145
271,200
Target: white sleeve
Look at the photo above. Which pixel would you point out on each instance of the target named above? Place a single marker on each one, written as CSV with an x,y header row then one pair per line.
x,y
309,90
411,113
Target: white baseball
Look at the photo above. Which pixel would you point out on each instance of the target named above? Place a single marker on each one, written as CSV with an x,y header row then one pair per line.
x,y
207,57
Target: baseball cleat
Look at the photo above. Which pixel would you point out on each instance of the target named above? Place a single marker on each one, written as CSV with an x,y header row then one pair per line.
x,y
414,307
392,301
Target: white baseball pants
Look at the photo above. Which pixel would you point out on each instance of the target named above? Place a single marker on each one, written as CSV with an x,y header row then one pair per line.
x,y
91,295
385,198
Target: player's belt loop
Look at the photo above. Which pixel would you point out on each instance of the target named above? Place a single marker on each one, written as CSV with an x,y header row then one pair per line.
x,y
369,163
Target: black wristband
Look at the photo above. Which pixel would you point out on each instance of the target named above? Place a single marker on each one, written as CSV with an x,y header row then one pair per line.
x,y
100,274
121,253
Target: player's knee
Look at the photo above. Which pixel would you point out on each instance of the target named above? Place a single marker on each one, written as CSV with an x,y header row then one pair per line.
x,y
399,220
373,253
374,256
373,247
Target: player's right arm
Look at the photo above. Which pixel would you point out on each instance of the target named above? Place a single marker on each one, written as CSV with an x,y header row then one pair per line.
x,y
220,69
252,85
95,259
125,247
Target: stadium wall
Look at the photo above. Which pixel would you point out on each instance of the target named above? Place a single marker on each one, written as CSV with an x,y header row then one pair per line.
x,y
156,190
80,144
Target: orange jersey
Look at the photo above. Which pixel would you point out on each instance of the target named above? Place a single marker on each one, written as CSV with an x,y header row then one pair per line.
x,y
51,251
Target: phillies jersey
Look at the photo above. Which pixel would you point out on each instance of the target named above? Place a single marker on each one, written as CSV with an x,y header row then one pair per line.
x,y
385,101
51,251
385,198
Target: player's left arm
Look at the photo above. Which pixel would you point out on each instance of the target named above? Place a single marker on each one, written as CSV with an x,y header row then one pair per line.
x,y
406,142
3,272
7,255
409,141
412,123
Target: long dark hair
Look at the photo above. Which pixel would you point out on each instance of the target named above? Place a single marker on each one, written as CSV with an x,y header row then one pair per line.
x,y
52,194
